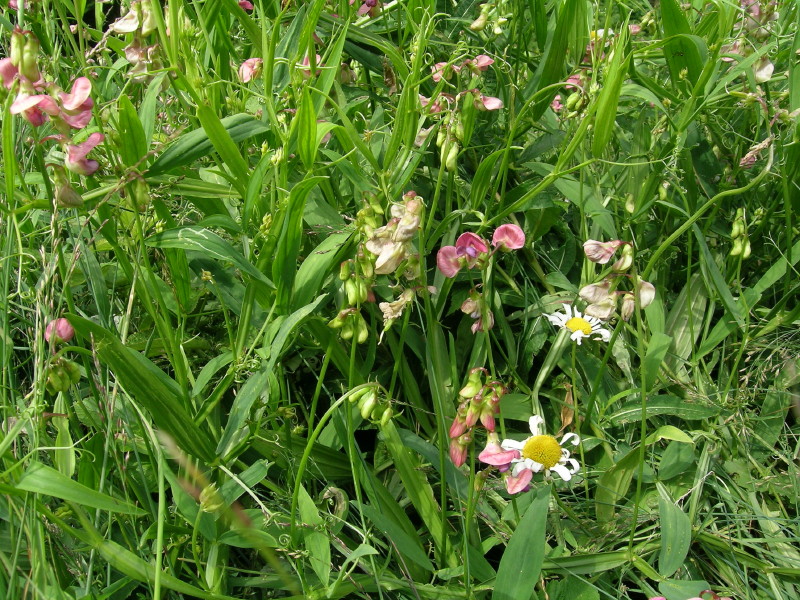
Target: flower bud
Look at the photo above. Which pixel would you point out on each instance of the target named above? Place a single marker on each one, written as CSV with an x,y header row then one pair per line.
x,y
596,292
628,306
625,261
479,24
59,331
28,67
210,499
600,252
451,160
474,384
647,293
602,309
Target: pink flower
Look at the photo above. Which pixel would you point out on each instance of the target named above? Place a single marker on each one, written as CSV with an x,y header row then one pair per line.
x,y
601,252
245,5
307,63
519,483
59,331
34,108
556,104
508,237
468,251
443,70
250,69
368,7
8,72
493,453
458,449
76,107
482,102
479,63
76,160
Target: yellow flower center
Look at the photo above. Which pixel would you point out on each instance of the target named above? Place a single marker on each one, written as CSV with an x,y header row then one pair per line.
x,y
579,323
543,449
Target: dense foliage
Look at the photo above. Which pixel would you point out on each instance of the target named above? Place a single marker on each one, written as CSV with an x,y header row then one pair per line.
x,y
407,300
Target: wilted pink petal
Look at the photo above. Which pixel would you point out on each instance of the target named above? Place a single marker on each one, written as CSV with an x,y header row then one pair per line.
x,y
307,63
59,330
458,449
493,454
448,261
76,160
763,70
8,72
508,237
517,484
600,252
634,29
244,4
556,104
127,24
469,244
482,62
488,103
250,69
81,89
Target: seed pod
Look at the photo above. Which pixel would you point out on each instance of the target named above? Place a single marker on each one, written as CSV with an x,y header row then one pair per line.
x,y
367,404
746,250
738,246
451,162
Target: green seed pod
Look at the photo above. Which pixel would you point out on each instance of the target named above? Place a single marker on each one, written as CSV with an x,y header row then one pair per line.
x,y
386,416
737,230
738,246
351,290
367,404
451,161
746,250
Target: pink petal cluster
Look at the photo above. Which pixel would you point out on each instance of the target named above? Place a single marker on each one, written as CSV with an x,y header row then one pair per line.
x,y
250,69
67,110
59,331
472,251
480,403
443,70
601,252
469,251
245,5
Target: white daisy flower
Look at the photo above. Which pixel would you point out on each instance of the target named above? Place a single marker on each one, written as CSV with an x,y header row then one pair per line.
x,y
580,326
542,452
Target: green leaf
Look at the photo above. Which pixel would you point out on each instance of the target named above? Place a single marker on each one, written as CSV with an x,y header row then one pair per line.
x,y
196,144
210,244
552,67
42,479
132,142
614,483
668,432
676,534
607,101
148,385
631,412
305,130
683,51
410,547
656,351
226,147
316,541
523,558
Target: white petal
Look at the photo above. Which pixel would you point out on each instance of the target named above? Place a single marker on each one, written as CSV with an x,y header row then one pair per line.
x,y
576,336
512,444
605,334
562,471
534,466
575,467
568,311
568,436
535,423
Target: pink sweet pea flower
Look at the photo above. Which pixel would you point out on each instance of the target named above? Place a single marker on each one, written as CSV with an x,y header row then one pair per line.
x,y
59,331
250,69
8,72
601,252
519,483
34,108
493,453
508,237
482,102
76,160
245,5
307,63
77,105
468,251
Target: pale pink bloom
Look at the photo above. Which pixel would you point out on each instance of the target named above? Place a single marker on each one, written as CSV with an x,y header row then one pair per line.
x,y
508,237
250,69
436,106
306,63
8,72
493,453
245,5
576,81
59,330
469,249
479,325
519,483
76,160
458,449
763,70
600,252
443,70
481,62
635,29
77,105
482,102
368,7
34,108
556,104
